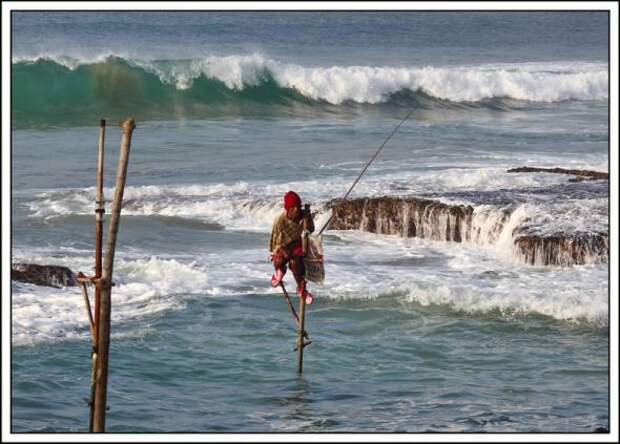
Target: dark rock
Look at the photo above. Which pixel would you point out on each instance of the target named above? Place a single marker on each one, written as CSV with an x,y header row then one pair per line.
x,y
580,174
47,275
601,430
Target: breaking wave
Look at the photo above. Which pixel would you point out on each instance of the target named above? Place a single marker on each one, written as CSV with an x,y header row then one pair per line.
x,y
56,90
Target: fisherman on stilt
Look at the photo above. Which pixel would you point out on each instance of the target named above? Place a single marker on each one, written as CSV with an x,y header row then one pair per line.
x,y
286,243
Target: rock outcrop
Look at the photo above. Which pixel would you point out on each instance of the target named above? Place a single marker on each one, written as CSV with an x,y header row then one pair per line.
x,y
407,217
579,174
430,219
47,275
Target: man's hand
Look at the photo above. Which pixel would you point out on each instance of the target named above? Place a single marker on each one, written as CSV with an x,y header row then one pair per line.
x,y
307,215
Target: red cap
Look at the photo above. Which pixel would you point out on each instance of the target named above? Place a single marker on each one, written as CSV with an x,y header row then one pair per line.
x,y
291,199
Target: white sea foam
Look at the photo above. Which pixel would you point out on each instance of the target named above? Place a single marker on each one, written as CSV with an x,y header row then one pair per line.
x,y
361,266
464,278
68,62
144,288
568,304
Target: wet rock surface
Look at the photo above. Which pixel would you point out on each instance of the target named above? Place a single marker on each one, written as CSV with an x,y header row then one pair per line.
x,y
46,275
563,249
407,217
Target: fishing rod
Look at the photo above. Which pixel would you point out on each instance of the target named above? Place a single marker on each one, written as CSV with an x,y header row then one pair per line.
x,y
366,167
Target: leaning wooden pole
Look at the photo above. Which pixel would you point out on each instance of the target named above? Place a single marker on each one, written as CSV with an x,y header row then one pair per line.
x,y
89,314
105,283
288,301
99,212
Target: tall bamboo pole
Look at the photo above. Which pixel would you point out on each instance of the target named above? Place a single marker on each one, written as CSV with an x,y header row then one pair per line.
x,y
103,344
99,212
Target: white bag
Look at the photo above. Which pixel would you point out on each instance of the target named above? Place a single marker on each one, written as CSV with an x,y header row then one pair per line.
x,y
315,271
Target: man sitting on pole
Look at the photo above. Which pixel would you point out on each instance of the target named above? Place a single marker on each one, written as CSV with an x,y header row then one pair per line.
x,y
286,243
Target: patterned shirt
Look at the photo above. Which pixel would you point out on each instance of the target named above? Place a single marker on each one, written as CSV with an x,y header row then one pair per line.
x,y
284,232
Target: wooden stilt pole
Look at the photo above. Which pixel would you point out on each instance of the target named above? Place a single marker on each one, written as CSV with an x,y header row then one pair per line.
x,y
302,305
99,212
105,283
300,335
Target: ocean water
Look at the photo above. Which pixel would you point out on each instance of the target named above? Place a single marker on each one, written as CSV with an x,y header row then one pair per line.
x,y
233,109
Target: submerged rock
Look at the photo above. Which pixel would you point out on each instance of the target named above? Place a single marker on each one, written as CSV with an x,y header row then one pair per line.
x,y
429,219
47,275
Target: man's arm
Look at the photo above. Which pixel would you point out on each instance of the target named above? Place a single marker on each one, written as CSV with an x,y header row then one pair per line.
x,y
276,235
279,241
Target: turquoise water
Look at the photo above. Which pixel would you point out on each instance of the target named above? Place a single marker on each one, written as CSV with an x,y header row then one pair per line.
x,y
233,110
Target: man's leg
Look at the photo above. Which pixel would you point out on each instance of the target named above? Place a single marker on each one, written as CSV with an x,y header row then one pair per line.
x,y
299,272
298,269
279,262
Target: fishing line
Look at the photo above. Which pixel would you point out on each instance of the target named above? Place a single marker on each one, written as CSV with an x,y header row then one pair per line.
x,y
366,167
